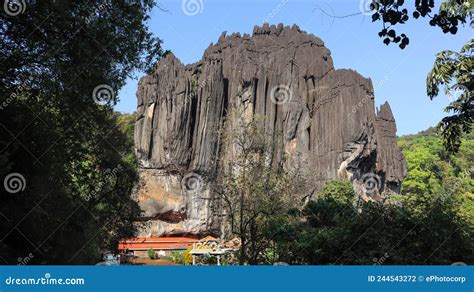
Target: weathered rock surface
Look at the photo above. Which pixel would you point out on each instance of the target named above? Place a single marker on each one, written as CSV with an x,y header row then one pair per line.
x,y
326,116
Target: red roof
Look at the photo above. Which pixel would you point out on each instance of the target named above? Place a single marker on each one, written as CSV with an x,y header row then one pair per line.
x,y
145,243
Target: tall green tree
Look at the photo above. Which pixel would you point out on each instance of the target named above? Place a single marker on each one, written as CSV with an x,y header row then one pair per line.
x,y
435,174
336,231
62,64
392,13
454,71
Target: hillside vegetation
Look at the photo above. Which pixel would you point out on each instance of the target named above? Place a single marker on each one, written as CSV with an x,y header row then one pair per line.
x,y
436,175
431,222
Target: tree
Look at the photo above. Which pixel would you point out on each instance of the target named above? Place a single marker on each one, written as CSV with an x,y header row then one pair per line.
x,y
451,69
335,231
62,64
151,254
391,13
454,71
255,190
435,174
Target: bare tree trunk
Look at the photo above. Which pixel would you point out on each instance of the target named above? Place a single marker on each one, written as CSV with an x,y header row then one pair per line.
x,y
242,230
253,242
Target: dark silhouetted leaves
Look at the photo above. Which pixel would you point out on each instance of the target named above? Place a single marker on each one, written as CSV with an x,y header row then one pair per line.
x,y
392,13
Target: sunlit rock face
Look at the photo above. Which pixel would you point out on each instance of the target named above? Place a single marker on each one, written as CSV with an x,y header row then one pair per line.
x,y
325,117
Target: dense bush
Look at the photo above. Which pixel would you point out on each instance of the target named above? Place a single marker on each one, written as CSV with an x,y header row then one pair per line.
x,y
331,231
431,222
151,254
58,131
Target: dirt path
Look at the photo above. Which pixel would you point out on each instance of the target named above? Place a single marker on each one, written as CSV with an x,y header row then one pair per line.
x,y
148,262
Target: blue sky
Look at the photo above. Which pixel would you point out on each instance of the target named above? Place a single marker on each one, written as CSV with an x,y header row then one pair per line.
x,y
399,76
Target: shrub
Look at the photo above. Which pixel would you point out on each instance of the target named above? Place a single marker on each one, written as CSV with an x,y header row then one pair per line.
x,y
178,257
151,253
187,256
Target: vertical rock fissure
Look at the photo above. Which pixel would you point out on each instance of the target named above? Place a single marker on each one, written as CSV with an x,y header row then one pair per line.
x,y
150,147
255,90
265,98
224,110
192,122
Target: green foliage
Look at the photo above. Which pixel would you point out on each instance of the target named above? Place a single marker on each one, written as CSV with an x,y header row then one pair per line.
x,y
431,222
451,15
339,190
181,257
453,70
194,85
75,155
229,259
255,191
167,258
436,175
187,256
151,254
334,232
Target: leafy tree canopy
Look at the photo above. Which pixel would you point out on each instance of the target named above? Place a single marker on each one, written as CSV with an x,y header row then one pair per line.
x,y
62,63
451,14
454,71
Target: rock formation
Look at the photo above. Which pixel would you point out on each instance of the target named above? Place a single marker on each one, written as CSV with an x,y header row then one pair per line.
x,y
326,116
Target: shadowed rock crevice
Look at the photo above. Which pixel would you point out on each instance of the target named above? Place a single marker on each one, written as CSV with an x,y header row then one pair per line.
x,y
324,119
